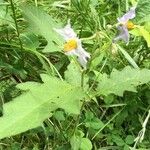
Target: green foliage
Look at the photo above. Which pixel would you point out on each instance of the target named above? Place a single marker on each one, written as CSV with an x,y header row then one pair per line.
x,y
118,140
85,144
142,31
143,11
70,107
119,81
5,17
73,74
145,34
129,139
59,115
127,56
31,108
93,122
78,142
30,41
42,24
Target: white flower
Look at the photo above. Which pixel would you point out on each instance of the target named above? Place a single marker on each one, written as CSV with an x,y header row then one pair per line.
x,y
73,44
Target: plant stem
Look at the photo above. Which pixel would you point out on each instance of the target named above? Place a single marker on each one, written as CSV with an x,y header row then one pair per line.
x,y
16,24
107,123
78,119
97,75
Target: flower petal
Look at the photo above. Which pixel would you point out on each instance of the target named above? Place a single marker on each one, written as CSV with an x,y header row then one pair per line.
x,y
67,32
124,34
83,55
81,51
72,53
129,15
82,61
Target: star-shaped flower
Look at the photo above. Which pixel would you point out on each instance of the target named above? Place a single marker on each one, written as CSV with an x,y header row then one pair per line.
x,y
73,44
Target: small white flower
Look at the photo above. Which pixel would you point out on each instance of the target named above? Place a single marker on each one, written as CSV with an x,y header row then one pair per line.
x,y
73,44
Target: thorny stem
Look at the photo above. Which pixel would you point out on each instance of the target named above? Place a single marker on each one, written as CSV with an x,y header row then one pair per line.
x,y
78,118
97,34
90,38
16,24
97,76
82,79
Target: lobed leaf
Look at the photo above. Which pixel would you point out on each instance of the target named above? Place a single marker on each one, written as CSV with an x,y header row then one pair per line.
x,y
119,81
43,24
30,109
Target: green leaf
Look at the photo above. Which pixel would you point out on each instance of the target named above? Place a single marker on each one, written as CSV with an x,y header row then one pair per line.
x,y
42,24
5,17
30,109
118,140
109,99
93,122
147,26
78,142
142,31
59,115
85,144
119,81
143,11
129,139
135,32
73,74
126,147
75,142
133,2
127,56
145,34
30,41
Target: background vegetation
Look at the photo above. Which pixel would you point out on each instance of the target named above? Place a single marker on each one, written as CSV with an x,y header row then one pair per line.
x,y
48,101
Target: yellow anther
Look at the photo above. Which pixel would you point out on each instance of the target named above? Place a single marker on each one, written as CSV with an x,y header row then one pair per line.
x,y
130,25
70,45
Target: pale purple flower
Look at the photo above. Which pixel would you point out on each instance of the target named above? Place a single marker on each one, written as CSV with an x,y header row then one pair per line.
x,y
124,34
123,25
69,35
